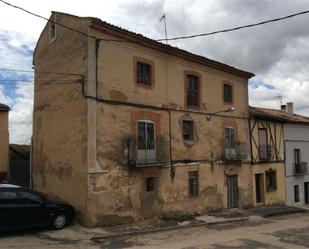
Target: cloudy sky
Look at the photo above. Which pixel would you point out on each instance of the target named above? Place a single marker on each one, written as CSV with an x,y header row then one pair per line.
x,y
277,53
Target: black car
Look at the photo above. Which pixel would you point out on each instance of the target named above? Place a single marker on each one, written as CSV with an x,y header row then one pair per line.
x,y
23,208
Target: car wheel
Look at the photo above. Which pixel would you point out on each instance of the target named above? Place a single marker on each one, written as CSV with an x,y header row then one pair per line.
x,y
60,221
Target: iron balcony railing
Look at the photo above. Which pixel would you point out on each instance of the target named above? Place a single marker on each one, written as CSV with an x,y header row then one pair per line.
x,y
142,154
300,168
237,153
266,152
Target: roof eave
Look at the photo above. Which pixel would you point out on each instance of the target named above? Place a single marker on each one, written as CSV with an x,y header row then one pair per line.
x,y
98,25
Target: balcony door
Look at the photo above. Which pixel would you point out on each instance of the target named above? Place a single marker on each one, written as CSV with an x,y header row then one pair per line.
x,y
229,142
263,147
146,148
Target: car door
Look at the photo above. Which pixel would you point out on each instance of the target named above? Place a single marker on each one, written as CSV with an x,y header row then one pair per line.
x,y
11,213
35,207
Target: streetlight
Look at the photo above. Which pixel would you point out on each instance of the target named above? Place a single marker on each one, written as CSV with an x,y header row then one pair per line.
x,y
230,109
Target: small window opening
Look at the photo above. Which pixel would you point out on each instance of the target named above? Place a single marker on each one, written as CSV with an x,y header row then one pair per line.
x,y
271,180
188,130
150,184
143,73
227,93
193,183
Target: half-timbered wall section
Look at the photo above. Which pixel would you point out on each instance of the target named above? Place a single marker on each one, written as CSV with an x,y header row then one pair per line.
x,y
267,157
266,140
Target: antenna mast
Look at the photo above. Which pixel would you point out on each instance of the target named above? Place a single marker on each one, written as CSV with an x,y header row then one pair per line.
x,y
165,29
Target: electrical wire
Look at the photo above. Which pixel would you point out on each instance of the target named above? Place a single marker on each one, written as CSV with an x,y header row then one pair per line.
x,y
165,39
60,24
236,28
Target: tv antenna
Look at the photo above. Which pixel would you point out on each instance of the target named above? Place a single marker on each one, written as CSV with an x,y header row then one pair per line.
x,y
165,29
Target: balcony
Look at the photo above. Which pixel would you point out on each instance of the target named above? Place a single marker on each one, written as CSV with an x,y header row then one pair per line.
x,y
237,154
150,154
300,169
266,153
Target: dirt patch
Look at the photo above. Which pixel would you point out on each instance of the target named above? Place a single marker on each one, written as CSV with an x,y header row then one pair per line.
x,y
117,243
294,236
243,243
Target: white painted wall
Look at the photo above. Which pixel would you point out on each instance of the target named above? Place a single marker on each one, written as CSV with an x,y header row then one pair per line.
x,y
295,137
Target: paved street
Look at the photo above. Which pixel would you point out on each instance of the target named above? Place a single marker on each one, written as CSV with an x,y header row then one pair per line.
x,y
290,231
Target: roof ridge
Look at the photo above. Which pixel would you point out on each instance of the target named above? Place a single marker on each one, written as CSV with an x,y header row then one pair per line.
x,y
112,29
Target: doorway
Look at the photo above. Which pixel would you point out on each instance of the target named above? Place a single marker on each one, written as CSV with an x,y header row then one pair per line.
x,y
259,188
232,191
306,192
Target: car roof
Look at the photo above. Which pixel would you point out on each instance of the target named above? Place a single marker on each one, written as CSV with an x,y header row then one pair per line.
x,y
5,185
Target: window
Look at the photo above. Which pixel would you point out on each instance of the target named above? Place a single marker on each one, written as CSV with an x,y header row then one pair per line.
x,y
30,198
193,183
143,73
53,28
146,141
188,130
192,91
227,93
296,193
271,180
150,184
297,157
8,197
264,152
229,142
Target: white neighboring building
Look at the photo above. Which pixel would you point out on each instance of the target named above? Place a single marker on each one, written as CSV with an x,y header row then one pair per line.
x,y
296,139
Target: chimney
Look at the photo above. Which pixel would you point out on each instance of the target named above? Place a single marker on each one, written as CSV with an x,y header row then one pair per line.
x,y
283,107
290,108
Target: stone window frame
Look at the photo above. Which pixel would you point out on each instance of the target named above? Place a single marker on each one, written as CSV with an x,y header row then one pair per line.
x,y
200,81
188,117
143,60
232,92
53,25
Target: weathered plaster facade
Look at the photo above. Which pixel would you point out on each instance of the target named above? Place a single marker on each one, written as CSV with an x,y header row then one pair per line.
x,y
296,137
4,141
267,157
85,125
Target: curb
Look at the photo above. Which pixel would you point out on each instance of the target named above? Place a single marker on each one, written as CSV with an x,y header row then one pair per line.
x,y
285,213
163,229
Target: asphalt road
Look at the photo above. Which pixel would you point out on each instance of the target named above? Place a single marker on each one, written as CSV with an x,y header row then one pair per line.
x,y
290,231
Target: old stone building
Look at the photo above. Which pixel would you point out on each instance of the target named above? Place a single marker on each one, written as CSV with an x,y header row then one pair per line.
x,y
127,127
4,141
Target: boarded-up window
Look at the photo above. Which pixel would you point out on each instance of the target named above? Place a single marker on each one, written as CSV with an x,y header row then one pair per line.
x,y
192,91
143,73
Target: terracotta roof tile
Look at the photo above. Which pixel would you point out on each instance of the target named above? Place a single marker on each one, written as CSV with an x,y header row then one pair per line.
x,y
124,34
279,115
131,36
